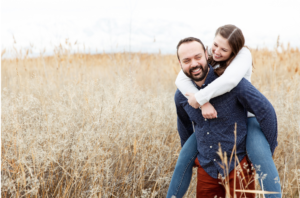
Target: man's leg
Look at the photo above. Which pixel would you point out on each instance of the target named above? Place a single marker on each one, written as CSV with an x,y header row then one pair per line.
x,y
207,186
245,179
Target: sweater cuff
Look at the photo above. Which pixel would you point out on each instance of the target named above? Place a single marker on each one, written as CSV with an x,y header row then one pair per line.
x,y
200,99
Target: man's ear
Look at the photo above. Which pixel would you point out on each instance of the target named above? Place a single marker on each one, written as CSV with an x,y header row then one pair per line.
x,y
206,55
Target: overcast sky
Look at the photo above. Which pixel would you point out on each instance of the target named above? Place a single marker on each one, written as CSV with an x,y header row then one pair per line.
x,y
144,25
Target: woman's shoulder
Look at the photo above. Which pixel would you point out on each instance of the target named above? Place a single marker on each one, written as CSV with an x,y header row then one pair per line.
x,y
245,50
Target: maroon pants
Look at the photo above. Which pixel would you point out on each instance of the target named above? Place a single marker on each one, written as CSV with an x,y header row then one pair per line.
x,y
210,187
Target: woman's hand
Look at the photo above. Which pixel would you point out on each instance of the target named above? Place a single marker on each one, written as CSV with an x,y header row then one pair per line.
x,y
192,100
208,111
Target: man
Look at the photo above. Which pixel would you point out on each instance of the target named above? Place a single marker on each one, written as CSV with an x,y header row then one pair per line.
x,y
232,108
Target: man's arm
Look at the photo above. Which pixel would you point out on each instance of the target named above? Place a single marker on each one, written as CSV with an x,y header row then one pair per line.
x,y
184,124
263,110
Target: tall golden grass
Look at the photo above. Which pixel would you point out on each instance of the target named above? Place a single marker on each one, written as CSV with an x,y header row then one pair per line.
x,y
104,125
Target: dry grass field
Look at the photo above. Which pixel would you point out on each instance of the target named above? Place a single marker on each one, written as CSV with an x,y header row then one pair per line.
x,y
82,125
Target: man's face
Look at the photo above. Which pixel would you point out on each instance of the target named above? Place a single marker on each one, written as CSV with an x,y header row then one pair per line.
x,y
193,60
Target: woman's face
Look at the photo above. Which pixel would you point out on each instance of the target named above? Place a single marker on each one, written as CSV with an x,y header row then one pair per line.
x,y
221,49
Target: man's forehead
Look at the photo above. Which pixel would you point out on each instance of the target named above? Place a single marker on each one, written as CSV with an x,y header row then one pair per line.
x,y
190,49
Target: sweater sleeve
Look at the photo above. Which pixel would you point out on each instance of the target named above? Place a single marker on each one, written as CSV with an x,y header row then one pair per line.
x,y
225,83
184,84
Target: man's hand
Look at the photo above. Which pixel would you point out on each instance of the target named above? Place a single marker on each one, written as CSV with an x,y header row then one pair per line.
x,y
208,111
192,100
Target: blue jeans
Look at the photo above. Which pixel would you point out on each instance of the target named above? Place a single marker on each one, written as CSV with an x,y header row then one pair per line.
x,y
184,168
260,155
258,151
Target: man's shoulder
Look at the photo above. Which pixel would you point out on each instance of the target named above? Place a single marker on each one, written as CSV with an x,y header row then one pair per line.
x,y
179,97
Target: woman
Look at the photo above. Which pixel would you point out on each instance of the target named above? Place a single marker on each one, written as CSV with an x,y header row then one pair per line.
x,y
232,62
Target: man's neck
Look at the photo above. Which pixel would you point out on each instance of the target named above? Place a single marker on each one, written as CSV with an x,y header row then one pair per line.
x,y
200,83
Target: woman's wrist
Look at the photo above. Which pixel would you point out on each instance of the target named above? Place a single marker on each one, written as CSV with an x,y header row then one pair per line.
x,y
200,98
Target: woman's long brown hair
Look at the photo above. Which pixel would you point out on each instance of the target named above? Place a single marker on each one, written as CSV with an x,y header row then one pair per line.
x,y
236,41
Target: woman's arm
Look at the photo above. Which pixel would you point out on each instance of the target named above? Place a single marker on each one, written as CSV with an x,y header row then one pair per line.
x,y
232,75
184,84
240,67
227,81
188,89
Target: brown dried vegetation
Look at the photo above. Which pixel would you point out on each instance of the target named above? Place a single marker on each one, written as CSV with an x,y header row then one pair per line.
x,y
104,125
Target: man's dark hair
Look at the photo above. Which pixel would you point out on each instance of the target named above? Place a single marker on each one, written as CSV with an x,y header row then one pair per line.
x,y
187,40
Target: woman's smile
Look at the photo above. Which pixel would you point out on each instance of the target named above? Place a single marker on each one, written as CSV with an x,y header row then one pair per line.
x,y
216,57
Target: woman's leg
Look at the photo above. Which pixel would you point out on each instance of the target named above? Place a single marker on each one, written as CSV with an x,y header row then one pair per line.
x,y
260,155
184,168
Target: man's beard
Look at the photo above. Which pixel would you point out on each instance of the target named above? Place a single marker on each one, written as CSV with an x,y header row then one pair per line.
x,y
198,77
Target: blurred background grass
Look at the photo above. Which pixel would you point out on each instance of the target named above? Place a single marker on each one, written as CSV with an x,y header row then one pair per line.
x,y
104,125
